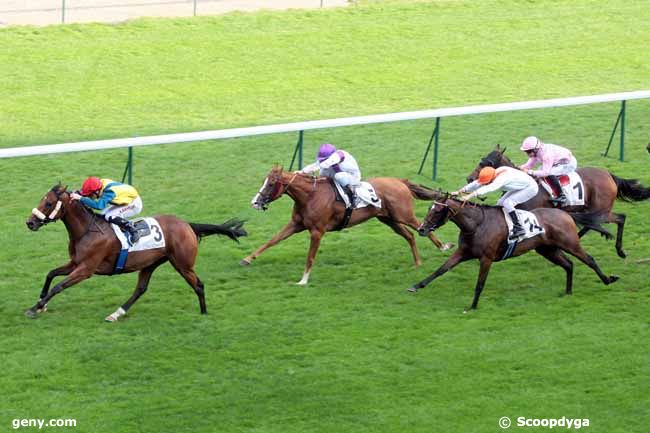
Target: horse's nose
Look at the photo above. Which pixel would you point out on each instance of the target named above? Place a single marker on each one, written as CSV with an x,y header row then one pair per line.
x,y
30,225
422,231
470,179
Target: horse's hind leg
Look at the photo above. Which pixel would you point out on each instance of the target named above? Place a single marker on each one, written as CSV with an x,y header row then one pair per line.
x,y
403,232
194,281
143,283
585,258
556,256
619,219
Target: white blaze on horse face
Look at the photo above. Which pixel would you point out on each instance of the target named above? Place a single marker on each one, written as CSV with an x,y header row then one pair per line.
x,y
255,203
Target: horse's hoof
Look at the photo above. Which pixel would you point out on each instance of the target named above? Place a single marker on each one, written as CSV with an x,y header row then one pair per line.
x,y
447,246
31,313
621,253
111,318
301,283
412,289
244,262
613,279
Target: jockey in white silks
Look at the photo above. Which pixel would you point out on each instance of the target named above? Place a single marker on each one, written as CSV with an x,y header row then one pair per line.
x,y
519,187
339,165
556,160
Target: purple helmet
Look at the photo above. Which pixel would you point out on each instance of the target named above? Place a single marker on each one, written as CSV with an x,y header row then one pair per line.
x,y
325,151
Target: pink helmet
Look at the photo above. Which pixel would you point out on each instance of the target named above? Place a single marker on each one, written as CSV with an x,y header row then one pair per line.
x,y
325,151
531,143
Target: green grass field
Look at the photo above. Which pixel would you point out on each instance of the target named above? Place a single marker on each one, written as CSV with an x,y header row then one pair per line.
x,y
351,352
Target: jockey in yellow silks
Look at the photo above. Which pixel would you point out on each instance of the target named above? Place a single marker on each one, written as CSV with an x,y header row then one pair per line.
x,y
115,201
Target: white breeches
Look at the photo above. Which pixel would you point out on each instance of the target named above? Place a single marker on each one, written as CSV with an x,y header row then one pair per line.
x,y
344,178
512,198
124,211
565,168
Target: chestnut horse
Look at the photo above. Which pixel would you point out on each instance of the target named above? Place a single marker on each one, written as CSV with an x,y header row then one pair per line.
x,y
317,211
94,248
484,234
601,190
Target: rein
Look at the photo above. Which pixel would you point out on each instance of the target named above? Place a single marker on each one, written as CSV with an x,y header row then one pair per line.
x,y
283,187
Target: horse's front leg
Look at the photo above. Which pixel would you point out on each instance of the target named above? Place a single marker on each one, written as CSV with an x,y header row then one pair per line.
x,y
316,236
288,230
57,272
483,272
80,273
457,257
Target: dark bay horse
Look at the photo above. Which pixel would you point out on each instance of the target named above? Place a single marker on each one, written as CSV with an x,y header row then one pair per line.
x,y
316,210
94,248
483,235
601,190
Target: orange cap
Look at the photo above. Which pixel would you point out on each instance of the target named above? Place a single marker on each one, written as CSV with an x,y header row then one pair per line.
x,y
486,175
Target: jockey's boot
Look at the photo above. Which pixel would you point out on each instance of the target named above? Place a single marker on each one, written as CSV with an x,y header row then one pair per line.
x,y
350,191
555,184
517,229
126,226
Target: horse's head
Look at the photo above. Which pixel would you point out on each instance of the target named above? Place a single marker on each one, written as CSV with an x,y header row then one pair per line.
x,y
437,216
494,159
271,189
50,208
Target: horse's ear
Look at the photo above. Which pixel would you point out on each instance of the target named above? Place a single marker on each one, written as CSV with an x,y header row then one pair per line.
x,y
498,147
504,150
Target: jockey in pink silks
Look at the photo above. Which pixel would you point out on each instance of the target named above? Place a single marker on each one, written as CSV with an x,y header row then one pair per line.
x,y
339,165
556,160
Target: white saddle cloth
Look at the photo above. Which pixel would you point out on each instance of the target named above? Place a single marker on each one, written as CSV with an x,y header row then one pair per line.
x,y
574,190
155,238
528,221
366,196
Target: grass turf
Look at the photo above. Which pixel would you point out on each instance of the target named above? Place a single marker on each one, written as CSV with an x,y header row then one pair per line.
x,y
352,351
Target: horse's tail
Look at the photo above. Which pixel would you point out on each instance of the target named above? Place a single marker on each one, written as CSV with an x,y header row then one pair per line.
x,y
422,192
630,189
233,228
592,221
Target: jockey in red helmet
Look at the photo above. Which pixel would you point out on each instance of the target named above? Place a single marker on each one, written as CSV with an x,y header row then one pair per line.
x,y
113,200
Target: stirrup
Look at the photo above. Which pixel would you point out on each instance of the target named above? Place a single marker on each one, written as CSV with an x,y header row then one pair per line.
x,y
134,236
516,234
561,199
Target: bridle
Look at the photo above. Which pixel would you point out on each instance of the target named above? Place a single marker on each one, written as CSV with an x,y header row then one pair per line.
x,y
46,219
278,189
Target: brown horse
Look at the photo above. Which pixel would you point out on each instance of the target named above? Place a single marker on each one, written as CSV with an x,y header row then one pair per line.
x,y
484,233
317,211
94,248
601,190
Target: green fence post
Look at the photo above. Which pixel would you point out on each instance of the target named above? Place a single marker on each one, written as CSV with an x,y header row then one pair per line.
x,y
298,151
621,154
434,135
128,170
435,150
